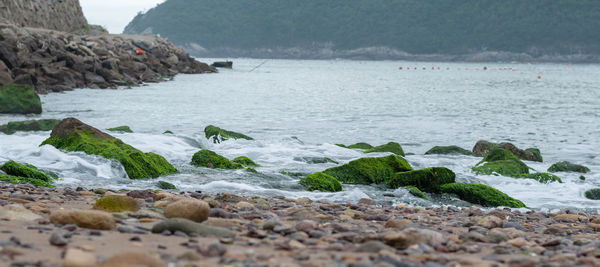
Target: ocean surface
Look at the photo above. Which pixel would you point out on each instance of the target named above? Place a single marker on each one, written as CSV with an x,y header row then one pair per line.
x,y
302,108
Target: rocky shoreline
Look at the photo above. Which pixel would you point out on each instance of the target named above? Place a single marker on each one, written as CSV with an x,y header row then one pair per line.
x,y
55,61
254,231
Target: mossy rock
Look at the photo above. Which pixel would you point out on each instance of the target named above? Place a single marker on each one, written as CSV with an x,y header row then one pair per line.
x,y
168,132
502,162
116,203
445,150
391,147
28,126
14,168
360,145
219,134
123,129
482,148
415,192
542,177
25,180
322,182
565,166
165,185
297,174
73,135
428,179
536,152
252,170
369,170
593,194
481,194
315,160
19,99
245,161
209,159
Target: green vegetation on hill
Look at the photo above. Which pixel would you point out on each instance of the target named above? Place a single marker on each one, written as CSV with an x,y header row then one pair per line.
x,y
414,26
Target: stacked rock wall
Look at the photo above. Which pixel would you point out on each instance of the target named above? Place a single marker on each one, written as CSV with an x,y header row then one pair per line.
x,y
62,15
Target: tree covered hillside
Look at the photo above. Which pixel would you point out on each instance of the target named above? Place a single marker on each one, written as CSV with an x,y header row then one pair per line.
x,y
414,26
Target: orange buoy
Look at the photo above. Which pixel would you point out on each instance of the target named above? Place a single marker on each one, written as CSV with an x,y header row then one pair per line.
x,y
140,51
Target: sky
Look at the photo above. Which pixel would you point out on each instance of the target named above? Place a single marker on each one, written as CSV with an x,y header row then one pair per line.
x,y
114,15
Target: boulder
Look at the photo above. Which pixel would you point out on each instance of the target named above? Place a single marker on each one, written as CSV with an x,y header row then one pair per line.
x,y
245,161
17,173
165,185
369,170
124,129
116,203
593,194
5,74
391,147
360,145
480,194
428,179
542,177
19,99
482,148
191,228
565,166
219,134
209,159
91,219
502,162
24,180
445,150
415,191
315,160
322,182
28,126
73,135
191,209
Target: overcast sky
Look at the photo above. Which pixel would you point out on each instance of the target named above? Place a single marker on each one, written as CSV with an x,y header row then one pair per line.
x,y
114,14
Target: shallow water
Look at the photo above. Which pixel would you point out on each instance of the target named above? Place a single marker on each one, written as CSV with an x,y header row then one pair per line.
x,y
302,108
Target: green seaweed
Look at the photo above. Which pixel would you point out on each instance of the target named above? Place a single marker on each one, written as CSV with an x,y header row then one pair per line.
x,y
315,160
565,166
25,170
137,164
28,126
252,170
209,159
536,152
297,174
322,182
124,129
428,179
415,192
116,203
593,194
481,194
360,145
245,161
24,180
391,147
502,162
165,185
448,150
219,134
19,99
369,170
542,177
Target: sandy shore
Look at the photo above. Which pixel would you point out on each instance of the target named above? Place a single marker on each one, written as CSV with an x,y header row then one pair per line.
x,y
287,232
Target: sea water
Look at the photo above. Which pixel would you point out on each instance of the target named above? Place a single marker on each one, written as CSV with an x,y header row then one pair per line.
x,y
302,108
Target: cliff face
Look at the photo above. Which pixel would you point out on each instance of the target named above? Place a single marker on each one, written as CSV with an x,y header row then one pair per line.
x,y
61,15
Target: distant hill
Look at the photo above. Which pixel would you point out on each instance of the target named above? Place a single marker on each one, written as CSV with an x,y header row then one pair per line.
x,y
378,28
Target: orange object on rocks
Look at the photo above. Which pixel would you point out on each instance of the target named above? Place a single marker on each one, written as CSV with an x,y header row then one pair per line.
x,y
140,51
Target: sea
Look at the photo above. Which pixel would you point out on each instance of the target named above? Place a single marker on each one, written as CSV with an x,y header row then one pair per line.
x,y
296,109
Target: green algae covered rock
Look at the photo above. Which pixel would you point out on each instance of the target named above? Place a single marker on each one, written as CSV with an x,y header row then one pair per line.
x,y
116,203
322,182
482,148
536,153
219,134
73,135
19,99
360,145
369,170
245,161
593,194
481,194
25,180
503,162
542,177
165,185
209,159
168,132
444,150
428,179
565,166
124,129
391,147
28,126
415,192
26,171
315,160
